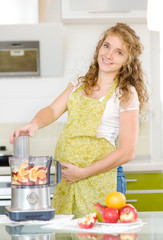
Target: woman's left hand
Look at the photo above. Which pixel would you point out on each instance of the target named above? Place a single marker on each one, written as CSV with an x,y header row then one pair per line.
x,y
71,173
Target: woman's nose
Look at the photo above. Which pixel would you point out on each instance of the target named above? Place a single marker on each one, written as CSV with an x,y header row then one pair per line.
x,y
109,54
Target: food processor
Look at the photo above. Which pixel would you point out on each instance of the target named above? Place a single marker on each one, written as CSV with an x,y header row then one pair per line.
x,y
30,183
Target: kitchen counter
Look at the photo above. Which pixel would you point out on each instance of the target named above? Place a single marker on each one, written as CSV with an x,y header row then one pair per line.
x,y
146,166
151,230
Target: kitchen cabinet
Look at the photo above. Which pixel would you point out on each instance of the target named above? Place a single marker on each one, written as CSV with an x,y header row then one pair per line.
x,y
103,11
145,191
19,12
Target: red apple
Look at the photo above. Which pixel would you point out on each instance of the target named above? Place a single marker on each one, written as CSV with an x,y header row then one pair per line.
x,y
128,214
110,215
88,221
128,204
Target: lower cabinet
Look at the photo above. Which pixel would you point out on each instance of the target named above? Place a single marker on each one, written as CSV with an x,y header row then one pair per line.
x,y
146,201
145,191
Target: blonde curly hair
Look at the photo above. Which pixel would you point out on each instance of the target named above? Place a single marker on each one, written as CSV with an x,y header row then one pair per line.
x,y
131,73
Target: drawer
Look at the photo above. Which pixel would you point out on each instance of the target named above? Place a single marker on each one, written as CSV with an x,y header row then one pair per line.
x,y
144,181
146,201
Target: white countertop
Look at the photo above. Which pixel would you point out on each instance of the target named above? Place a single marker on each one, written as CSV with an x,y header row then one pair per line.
x,y
143,167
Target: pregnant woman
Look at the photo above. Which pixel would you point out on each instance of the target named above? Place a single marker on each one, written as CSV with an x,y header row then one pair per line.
x,y
102,105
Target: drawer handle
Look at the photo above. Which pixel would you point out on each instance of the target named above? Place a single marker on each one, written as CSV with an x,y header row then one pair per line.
x,y
131,200
131,180
104,11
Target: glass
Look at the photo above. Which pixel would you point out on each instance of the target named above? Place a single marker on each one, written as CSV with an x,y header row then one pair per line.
x,y
25,169
152,229
30,171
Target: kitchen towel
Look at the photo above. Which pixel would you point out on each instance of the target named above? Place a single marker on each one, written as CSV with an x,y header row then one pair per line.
x,y
58,220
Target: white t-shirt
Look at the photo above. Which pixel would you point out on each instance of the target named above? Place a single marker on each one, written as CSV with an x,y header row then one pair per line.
x,y
109,124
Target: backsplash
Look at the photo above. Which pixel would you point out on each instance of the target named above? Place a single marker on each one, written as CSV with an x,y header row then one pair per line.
x,y
42,143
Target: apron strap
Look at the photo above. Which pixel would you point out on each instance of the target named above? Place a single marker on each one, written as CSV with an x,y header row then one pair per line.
x,y
111,91
108,95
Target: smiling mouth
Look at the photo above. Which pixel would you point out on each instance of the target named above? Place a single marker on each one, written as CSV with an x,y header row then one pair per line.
x,y
107,62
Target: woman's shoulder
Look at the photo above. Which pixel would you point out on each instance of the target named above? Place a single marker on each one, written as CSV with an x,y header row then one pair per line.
x,y
76,83
132,102
133,90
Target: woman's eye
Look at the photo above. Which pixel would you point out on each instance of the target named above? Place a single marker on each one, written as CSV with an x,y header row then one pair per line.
x,y
119,53
106,45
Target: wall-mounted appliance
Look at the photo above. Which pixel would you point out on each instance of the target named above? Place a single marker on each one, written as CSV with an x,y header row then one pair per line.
x,y
50,38
19,58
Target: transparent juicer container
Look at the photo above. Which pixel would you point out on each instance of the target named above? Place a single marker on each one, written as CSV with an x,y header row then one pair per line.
x,y
28,170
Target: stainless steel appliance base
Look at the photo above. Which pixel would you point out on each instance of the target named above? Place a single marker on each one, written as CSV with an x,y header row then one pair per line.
x,y
44,215
30,198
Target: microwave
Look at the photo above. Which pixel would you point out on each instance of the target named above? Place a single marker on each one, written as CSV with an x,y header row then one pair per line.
x,y
19,58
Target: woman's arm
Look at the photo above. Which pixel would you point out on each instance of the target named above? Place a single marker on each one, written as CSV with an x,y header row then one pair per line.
x,y
46,115
52,112
128,135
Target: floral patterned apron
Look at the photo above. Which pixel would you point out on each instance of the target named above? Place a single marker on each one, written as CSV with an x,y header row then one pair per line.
x,y
79,145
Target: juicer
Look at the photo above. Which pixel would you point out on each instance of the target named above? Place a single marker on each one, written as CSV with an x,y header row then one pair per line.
x,y
30,183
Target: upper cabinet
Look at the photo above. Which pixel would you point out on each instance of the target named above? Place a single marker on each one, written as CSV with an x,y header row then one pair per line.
x,y
19,12
103,11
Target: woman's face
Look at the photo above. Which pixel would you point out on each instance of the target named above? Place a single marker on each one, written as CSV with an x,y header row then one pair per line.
x,y
112,55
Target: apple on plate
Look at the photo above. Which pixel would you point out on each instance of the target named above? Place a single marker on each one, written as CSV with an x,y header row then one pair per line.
x,y
110,215
128,214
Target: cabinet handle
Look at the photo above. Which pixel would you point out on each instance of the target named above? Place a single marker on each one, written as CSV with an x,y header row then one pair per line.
x,y
131,180
131,200
104,11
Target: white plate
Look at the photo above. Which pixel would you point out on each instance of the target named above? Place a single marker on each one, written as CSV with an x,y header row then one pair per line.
x,y
114,228
119,224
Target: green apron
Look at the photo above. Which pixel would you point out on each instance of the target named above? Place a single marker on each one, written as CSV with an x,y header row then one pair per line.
x,y
78,144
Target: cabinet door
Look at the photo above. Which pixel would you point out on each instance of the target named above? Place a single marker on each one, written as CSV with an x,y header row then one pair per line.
x,y
146,201
144,181
103,10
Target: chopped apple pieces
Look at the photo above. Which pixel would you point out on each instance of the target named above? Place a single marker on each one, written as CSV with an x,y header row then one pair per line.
x,y
29,175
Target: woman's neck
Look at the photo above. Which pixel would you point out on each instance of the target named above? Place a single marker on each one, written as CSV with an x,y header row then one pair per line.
x,y
105,79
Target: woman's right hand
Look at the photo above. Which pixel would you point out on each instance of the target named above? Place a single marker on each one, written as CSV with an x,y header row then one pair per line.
x,y
28,129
